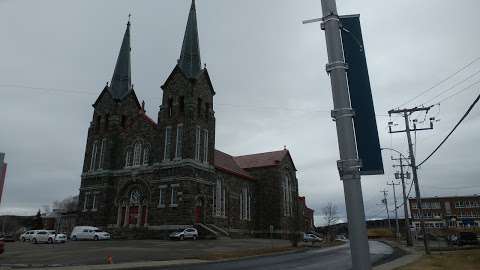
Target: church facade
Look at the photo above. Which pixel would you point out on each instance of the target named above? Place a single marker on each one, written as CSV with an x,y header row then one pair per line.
x,y
166,174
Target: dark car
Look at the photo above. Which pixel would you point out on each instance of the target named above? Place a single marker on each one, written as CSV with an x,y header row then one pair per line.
x,y
7,238
467,238
2,246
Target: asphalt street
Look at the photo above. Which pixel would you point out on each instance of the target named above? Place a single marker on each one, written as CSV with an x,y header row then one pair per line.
x,y
335,258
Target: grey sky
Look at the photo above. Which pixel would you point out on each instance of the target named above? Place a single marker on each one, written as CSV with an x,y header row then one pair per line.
x,y
267,69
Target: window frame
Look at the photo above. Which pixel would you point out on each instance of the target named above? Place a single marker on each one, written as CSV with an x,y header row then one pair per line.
x,y
179,142
167,150
93,157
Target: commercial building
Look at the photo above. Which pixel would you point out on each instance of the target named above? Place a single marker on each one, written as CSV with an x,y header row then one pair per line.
x,y
448,212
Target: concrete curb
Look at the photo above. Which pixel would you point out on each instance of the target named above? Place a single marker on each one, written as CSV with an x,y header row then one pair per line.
x,y
130,265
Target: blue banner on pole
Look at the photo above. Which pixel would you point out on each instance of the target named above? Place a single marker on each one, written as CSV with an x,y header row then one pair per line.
x,y
366,133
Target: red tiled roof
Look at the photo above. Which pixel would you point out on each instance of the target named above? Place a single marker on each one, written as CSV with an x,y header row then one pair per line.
x,y
226,163
261,160
148,119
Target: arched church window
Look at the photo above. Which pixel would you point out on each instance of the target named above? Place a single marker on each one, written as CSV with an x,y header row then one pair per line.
x,y
137,151
146,155
135,196
128,157
219,199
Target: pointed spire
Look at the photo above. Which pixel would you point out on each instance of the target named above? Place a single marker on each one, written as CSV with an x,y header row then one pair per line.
x,y
189,61
121,83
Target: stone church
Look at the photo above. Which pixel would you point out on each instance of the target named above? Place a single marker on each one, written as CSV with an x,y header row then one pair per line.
x,y
166,174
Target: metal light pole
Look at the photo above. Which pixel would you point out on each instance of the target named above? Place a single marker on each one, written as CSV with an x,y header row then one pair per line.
x,y
349,163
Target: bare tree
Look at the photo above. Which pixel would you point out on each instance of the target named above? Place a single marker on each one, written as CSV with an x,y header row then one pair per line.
x,y
330,215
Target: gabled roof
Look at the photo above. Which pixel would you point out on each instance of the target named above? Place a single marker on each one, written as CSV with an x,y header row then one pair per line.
x,y
189,61
226,163
260,160
148,119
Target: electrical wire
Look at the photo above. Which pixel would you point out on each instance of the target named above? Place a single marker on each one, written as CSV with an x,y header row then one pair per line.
x,y
453,86
460,91
249,107
441,82
444,140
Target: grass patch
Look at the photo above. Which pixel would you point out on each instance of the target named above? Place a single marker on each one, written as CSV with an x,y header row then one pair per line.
x,y
464,259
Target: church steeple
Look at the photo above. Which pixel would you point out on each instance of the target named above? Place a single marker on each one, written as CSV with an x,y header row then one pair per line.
x,y
189,61
121,83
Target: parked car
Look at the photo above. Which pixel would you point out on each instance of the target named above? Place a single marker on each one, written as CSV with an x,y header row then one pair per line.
x,y
2,246
47,236
88,233
467,238
58,237
7,238
182,234
27,236
309,237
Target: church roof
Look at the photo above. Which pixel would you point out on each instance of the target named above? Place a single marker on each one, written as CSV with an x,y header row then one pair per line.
x,y
121,83
225,162
260,160
189,61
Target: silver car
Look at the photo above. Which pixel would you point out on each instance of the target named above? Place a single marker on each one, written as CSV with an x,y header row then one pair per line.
x,y
47,236
27,236
182,234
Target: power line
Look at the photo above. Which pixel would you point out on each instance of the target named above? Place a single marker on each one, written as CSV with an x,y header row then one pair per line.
x,y
460,91
451,188
91,93
455,85
62,90
459,122
441,82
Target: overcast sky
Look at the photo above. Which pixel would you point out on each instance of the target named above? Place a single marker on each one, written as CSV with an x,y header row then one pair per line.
x,y
268,72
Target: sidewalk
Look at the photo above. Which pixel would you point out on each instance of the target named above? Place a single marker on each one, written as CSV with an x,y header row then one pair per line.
x,y
412,255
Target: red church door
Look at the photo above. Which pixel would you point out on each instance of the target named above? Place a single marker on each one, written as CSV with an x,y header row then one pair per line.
x,y
133,215
198,214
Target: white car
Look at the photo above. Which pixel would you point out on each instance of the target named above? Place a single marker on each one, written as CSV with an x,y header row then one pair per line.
x,y
27,236
182,234
310,237
59,237
88,233
47,236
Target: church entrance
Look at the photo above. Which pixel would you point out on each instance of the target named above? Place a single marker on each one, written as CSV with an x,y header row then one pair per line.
x,y
134,211
199,209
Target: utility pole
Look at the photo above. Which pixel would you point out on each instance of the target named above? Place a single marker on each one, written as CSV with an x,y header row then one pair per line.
x,y
406,114
385,202
402,176
397,230
349,164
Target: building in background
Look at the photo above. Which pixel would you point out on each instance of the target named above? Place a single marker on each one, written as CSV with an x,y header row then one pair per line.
x,y
448,212
306,215
3,173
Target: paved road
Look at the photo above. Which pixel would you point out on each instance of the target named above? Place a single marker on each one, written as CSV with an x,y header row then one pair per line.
x,y
335,258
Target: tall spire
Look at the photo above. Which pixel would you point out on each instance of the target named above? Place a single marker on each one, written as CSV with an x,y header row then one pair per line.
x,y
121,83
189,61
